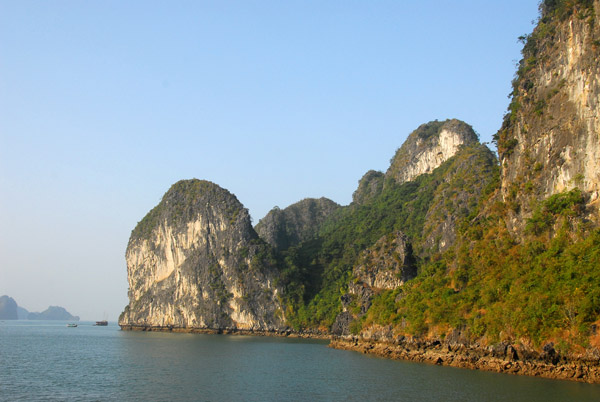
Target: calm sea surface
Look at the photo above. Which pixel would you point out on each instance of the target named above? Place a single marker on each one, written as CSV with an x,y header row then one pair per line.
x,y
41,360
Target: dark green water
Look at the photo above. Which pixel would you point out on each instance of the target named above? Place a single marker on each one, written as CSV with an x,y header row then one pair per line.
x,y
48,361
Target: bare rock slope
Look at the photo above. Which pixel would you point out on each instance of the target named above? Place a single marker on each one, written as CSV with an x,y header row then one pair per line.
x,y
195,262
550,140
428,147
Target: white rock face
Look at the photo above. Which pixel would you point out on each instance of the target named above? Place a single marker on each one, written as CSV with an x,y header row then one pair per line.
x,y
557,129
199,265
155,259
428,147
582,157
430,158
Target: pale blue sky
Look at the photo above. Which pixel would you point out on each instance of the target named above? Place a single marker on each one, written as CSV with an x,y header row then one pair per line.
x,y
105,104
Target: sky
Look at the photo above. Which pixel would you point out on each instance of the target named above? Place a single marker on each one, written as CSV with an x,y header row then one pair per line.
x,y
105,104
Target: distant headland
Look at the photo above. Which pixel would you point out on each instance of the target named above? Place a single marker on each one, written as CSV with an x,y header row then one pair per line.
x,y
10,310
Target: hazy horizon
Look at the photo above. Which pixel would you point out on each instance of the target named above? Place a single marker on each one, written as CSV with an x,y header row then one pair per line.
x,y
105,105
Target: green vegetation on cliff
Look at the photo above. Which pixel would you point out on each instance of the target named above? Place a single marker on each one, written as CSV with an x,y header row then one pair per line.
x,y
178,204
544,288
283,228
525,267
562,9
316,273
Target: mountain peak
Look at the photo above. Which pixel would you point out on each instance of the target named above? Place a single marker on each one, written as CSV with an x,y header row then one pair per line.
x,y
426,148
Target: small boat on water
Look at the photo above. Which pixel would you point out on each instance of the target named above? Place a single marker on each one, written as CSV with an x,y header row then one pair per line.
x,y
102,323
72,325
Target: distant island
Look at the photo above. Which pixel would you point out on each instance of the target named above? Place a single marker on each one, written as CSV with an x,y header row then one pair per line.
x,y
53,313
10,310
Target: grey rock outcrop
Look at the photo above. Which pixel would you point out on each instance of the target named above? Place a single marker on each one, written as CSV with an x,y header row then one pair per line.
x,y
283,228
195,261
386,265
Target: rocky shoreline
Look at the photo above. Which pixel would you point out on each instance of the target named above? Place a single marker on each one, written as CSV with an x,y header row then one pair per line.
x,y
288,333
501,358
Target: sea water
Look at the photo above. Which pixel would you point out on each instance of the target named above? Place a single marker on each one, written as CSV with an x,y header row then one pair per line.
x,y
47,361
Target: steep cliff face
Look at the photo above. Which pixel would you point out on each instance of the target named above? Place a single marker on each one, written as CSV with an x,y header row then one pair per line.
x,y
194,261
428,147
283,228
550,140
